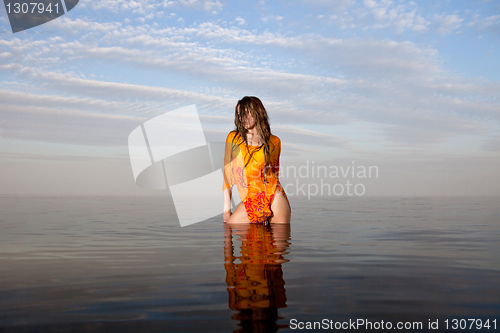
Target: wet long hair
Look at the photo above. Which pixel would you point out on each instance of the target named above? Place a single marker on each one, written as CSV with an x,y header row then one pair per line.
x,y
252,105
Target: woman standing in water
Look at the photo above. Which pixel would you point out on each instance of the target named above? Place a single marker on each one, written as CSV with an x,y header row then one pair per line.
x,y
251,162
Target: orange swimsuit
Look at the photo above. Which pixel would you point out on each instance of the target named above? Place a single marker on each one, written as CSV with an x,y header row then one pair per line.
x,y
245,167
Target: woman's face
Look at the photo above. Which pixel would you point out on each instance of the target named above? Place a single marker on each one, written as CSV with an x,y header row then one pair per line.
x,y
247,120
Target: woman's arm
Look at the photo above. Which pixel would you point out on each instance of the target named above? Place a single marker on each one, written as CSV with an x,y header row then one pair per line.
x,y
227,204
226,187
275,158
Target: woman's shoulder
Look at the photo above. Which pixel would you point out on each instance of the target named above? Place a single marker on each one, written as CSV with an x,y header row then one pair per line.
x,y
275,143
231,135
274,139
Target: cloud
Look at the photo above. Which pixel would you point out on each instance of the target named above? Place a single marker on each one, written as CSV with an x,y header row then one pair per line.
x,y
239,20
269,18
447,23
143,7
297,135
490,24
86,122
186,45
136,6
40,123
207,5
106,115
61,157
333,6
399,86
402,16
350,53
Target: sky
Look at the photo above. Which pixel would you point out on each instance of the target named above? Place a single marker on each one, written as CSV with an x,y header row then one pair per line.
x,y
410,87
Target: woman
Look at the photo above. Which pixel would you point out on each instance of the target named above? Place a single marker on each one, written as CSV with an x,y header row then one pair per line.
x,y
251,162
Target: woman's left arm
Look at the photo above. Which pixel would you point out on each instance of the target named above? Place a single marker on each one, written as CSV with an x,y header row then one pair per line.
x,y
275,158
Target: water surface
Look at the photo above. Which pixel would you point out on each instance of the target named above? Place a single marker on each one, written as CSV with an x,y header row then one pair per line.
x,y
105,264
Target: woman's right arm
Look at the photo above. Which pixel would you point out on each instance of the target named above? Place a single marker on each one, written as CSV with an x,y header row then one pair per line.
x,y
227,204
226,187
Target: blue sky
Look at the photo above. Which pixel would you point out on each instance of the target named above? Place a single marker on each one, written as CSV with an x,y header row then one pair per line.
x,y
411,87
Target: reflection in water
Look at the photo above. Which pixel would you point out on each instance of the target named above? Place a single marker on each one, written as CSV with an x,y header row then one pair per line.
x,y
255,279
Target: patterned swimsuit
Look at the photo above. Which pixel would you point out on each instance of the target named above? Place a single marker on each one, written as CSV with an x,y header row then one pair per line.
x,y
245,167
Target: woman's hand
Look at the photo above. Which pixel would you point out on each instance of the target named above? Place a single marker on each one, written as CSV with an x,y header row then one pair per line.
x,y
226,215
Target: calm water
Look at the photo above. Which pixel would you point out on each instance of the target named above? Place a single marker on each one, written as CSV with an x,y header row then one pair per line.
x,y
123,264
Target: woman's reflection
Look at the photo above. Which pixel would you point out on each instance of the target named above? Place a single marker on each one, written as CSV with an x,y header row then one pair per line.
x,y
255,279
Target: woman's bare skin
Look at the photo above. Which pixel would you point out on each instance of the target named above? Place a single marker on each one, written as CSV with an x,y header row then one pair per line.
x,y
281,209
239,215
281,212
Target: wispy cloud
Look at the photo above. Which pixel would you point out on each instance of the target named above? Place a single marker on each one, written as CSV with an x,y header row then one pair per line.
x,y
398,85
354,76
